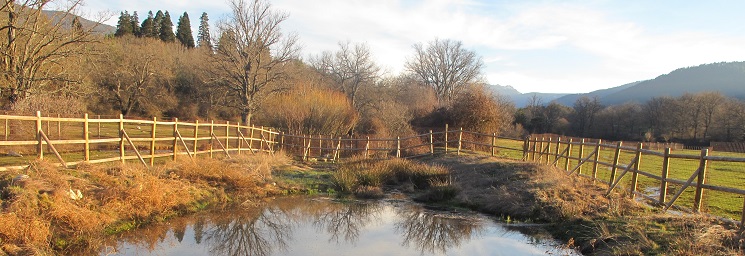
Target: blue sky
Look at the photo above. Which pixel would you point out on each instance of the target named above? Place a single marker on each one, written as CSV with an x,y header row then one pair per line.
x,y
533,45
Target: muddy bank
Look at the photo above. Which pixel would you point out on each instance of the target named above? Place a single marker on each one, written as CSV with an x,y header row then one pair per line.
x,y
579,212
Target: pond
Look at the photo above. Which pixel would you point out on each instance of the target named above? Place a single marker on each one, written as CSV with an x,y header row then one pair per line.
x,y
325,226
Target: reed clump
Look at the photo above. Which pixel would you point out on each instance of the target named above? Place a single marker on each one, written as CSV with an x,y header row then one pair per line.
x,y
362,176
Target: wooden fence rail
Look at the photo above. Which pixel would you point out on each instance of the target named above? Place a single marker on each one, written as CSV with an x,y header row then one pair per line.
x,y
96,140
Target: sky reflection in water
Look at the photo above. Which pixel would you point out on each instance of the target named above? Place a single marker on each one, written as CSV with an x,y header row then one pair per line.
x,y
321,226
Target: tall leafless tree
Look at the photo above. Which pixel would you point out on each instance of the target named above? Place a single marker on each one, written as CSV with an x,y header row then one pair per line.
x,y
585,111
446,66
35,46
351,68
251,60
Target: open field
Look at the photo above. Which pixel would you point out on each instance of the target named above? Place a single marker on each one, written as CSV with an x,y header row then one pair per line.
x,y
726,174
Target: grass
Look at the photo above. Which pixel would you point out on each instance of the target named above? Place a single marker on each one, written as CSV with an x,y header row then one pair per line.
x,y
578,211
366,177
40,216
726,174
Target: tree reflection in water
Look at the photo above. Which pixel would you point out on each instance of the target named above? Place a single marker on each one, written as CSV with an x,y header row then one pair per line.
x,y
346,220
256,231
269,228
431,232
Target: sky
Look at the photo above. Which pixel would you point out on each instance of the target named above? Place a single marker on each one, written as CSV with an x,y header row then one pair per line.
x,y
549,46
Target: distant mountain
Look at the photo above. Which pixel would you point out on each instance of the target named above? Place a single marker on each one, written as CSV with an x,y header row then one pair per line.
x,y
101,29
522,99
725,77
569,100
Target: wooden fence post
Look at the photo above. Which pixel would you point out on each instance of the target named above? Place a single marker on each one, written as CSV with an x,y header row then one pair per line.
x,y
7,129
337,156
227,136
212,133
701,180
59,126
87,145
398,147
526,147
121,137
196,135
460,139
251,141
238,131
175,138
616,156
49,124
548,150
39,139
581,155
540,150
152,141
494,143
556,151
446,138
569,155
665,169
596,160
367,147
535,147
98,135
635,174
431,143
281,141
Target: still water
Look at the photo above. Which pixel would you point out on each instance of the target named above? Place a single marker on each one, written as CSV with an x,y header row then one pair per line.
x,y
324,226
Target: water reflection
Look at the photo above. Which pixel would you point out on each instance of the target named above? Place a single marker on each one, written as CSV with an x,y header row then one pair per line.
x,y
346,220
435,232
302,226
253,232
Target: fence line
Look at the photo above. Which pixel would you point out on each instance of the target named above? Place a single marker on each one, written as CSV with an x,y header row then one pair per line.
x,y
125,139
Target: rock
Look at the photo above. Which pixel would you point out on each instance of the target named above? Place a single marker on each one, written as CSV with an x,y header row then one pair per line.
x,y
14,153
20,180
75,195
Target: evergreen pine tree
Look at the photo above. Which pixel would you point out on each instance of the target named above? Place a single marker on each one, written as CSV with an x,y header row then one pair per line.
x,y
166,29
183,31
148,26
203,36
124,26
156,23
135,24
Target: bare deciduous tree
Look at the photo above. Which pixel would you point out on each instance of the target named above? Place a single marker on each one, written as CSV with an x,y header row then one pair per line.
x,y
251,59
35,45
351,68
446,66
585,111
135,75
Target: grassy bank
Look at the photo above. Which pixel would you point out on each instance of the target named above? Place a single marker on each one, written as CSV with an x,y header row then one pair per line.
x,y
579,213
47,209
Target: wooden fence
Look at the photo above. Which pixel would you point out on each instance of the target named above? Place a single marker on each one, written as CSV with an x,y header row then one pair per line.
x,y
586,162
77,140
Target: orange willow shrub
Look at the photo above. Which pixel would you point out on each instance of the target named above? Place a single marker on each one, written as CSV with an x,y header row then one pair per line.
x,y
309,110
480,111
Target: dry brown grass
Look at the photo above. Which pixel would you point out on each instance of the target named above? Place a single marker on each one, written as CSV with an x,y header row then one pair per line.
x,y
580,213
360,174
39,215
